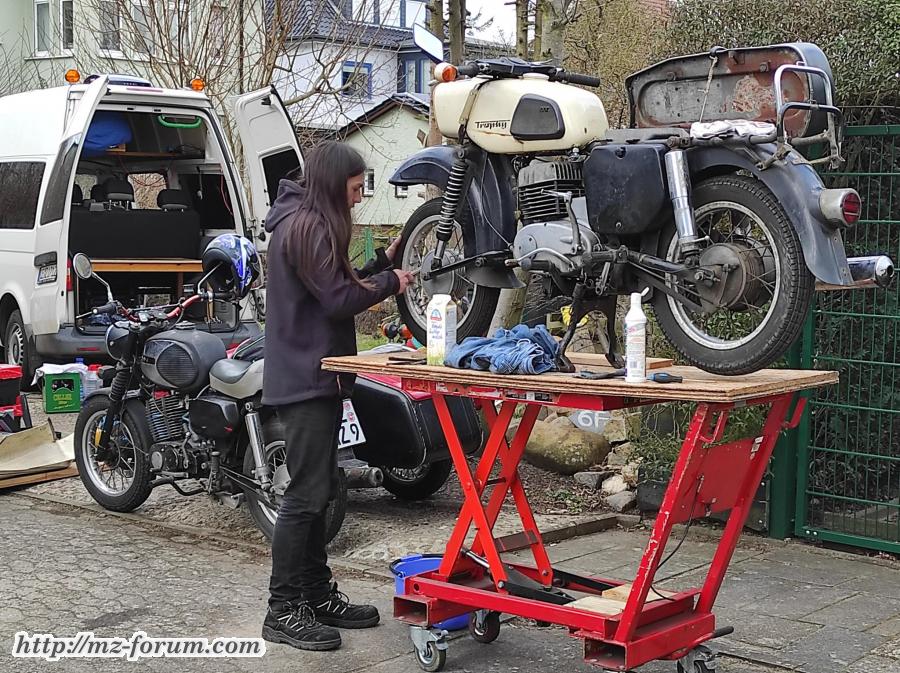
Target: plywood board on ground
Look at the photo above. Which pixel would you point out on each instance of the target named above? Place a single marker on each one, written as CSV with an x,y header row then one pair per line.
x,y
697,386
38,477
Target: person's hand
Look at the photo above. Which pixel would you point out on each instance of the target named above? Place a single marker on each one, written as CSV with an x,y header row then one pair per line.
x,y
406,279
392,249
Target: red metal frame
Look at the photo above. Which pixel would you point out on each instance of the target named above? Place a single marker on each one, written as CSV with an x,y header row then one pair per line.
x,y
708,477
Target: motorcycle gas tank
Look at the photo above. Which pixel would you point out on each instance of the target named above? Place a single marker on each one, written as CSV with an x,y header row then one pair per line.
x,y
518,116
181,358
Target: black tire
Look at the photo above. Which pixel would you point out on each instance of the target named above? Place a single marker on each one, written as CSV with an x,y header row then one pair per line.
x,y
476,322
17,350
431,659
489,630
132,497
273,434
419,483
784,320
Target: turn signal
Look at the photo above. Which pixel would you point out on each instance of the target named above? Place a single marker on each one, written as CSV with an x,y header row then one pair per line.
x,y
445,72
73,76
197,84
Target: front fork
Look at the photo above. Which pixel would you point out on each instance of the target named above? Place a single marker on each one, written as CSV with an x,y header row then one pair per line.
x,y
451,203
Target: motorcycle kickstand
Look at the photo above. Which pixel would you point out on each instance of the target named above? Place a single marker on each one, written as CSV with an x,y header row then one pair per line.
x,y
580,308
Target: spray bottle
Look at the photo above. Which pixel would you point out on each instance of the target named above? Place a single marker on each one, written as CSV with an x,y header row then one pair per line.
x,y
635,342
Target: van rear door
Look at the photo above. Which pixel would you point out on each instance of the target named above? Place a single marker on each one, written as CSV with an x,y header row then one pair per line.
x,y
270,146
48,303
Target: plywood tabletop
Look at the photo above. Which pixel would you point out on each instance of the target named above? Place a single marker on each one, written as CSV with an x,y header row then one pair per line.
x,y
698,385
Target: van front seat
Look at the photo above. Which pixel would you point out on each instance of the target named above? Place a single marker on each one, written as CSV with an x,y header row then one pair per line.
x,y
98,197
119,190
173,199
77,196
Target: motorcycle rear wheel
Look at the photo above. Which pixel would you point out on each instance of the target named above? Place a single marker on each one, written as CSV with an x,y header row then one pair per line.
x,y
263,515
740,210
476,303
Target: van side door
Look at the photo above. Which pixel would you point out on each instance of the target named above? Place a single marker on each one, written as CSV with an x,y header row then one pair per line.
x,y
269,145
48,303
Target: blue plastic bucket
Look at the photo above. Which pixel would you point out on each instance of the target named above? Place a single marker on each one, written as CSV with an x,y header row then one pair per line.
x,y
416,565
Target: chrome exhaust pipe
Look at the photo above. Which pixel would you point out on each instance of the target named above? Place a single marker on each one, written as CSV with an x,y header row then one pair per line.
x,y
866,272
364,477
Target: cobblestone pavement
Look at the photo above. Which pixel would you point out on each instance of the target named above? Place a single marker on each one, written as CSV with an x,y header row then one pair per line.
x,y
65,570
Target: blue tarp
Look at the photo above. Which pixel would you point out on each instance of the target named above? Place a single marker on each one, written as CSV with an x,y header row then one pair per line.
x,y
107,129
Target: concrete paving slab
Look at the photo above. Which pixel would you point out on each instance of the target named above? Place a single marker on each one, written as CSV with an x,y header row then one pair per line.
x,y
796,600
831,649
871,664
857,613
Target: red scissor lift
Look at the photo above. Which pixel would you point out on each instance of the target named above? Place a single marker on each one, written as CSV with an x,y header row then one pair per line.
x,y
709,476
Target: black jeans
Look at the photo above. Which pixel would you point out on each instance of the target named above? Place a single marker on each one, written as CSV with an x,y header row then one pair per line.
x,y
299,562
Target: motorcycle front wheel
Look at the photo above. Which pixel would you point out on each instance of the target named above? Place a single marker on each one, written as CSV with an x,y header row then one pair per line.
x,y
119,478
475,303
262,512
762,310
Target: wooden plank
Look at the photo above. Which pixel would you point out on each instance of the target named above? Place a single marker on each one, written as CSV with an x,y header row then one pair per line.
x,y
38,477
698,385
148,265
621,593
598,605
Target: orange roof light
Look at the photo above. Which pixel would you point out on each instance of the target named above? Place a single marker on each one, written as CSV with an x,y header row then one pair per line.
x,y
73,76
445,72
197,84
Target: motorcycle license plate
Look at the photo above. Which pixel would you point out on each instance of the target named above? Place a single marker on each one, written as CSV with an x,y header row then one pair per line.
x,y
351,432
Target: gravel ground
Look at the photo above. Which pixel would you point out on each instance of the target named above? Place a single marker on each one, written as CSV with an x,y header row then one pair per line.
x,y
378,526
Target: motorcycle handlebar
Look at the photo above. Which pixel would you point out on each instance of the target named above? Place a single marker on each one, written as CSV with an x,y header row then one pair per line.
x,y
575,78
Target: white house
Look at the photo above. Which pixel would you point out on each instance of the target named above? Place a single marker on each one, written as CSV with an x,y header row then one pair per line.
x,y
386,135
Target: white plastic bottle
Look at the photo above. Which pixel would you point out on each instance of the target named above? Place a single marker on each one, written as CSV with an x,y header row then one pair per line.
x,y
635,342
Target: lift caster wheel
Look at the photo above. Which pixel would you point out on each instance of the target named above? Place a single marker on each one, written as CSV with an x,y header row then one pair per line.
x,y
430,648
484,625
699,660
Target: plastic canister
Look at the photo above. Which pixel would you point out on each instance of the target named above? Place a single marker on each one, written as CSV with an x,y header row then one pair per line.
x,y
417,564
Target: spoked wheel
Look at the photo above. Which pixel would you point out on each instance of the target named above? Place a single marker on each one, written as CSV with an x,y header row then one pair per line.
x,y
417,483
484,626
118,478
263,513
751,282
475,303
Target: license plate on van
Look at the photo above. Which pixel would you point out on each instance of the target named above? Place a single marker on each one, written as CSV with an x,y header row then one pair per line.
x,y
46,274
351,432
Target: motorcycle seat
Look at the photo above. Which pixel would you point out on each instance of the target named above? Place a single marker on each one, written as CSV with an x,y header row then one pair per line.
x,y
237,378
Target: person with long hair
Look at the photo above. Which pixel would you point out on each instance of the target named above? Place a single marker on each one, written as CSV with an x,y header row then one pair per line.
x,y
313,294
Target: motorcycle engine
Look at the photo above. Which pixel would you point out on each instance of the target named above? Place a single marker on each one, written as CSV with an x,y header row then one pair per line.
x,y
547,232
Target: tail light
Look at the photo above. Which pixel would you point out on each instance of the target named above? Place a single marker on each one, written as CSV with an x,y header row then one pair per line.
x,y
851,207
69,281
841,207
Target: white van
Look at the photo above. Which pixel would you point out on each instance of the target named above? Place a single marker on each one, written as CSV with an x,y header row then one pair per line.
x,y
138,178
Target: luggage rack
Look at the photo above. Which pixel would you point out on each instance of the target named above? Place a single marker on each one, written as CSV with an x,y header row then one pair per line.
x,y
623,624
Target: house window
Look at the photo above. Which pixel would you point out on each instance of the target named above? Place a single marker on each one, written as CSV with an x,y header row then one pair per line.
x,y
143,37
67,14
217,32
401,191
369,182
110,35
356,80
410,80
42,29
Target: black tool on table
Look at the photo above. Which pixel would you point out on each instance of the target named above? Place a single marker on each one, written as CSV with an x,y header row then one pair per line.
x,y
656,377
664,377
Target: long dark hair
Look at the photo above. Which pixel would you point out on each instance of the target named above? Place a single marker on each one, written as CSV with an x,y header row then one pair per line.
x,y
327,167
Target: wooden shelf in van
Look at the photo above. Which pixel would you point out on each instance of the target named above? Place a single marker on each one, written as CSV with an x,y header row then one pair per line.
x,y
151,265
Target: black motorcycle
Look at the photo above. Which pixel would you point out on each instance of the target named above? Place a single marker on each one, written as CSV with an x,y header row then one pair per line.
x,y
179,411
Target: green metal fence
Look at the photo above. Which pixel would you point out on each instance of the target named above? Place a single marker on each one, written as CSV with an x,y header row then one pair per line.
x,y
848,468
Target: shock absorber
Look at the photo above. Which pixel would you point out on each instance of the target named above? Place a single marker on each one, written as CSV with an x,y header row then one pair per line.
x,y
452,196
116,395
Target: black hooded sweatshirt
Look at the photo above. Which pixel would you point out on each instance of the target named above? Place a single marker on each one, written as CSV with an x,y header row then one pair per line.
x,y
305,324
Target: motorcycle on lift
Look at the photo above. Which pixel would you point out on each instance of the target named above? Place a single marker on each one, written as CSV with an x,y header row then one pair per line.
x,y
179,411
726,223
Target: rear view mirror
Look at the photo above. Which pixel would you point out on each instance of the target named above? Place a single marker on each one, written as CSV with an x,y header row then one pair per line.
x,y
82,265
428,42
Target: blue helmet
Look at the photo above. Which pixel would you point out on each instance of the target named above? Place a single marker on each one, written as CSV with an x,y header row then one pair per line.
x,y
234,263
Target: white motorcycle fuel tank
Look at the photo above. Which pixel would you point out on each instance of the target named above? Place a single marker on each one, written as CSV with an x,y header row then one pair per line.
x,y
518,116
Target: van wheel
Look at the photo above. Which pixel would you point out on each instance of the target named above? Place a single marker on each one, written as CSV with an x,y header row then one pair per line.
x,y
16,349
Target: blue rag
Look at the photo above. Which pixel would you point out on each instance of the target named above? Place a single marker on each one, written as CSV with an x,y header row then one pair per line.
x,y
520,350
